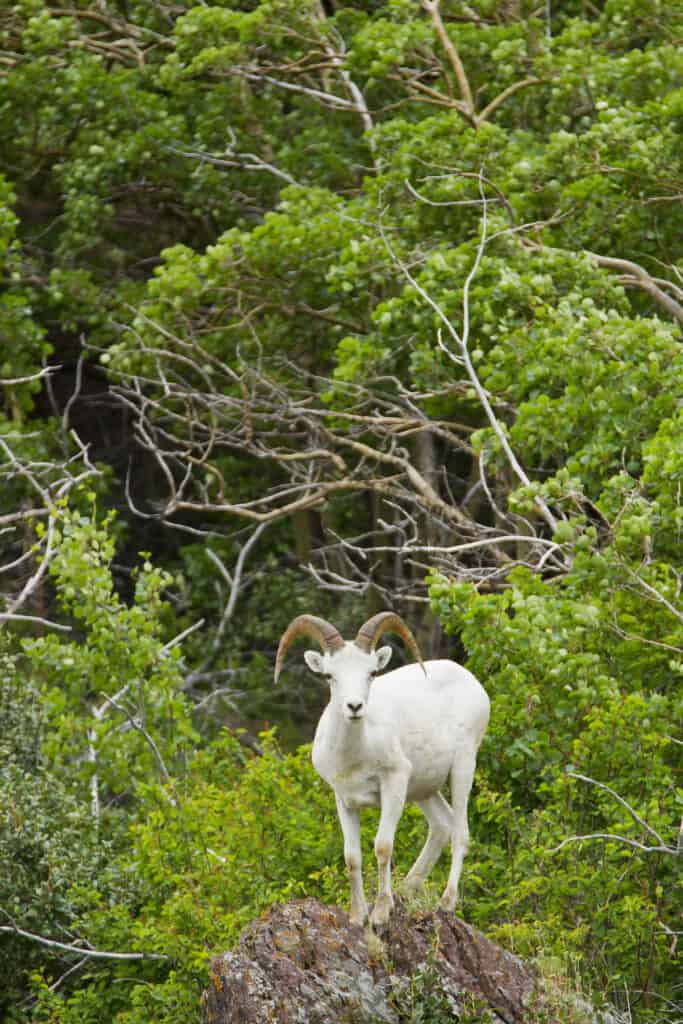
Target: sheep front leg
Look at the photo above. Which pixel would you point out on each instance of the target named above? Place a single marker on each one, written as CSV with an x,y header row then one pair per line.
x,y
393,795
350,823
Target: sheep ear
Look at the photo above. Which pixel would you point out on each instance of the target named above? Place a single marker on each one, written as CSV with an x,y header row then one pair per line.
x,y
383,657
315,662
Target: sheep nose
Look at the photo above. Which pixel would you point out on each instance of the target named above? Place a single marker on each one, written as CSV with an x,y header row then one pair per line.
x,y
354,708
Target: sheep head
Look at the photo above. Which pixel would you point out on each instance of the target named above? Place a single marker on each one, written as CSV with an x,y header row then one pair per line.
x,y
348,665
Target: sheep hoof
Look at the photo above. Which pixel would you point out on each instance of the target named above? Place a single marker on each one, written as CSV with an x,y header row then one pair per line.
x,y
449,899
381,911
359,916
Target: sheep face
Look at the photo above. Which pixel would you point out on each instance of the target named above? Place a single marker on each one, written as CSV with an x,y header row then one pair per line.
x,y
349,672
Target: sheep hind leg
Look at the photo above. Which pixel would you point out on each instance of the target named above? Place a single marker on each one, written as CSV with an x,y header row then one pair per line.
x,y
440,820
462,774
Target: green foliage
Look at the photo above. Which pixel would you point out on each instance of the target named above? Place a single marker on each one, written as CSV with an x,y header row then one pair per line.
x,y
422,999
92,708
49,843
568,696
239,834
22,340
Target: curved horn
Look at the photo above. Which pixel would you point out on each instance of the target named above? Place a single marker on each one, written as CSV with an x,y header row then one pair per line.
x,y
327,635
386,622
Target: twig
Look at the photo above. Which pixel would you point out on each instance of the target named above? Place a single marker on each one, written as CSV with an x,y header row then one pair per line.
x,y
234,581
247,161
496,102
610,837
62,978
636,817
327,98
181,636
337,60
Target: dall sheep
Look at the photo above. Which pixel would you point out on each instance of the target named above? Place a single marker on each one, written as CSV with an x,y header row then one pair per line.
x,y
397,738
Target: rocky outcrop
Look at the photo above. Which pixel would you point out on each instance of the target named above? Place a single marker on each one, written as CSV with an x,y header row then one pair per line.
x,y
305,963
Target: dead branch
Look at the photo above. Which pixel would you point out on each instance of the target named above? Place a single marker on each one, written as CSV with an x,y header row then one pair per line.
x,y
37,619
82,951
659,846
461,356
236,582
232,158
135,722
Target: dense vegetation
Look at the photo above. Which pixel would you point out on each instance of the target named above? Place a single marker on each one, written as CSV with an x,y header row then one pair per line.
x,y
329,306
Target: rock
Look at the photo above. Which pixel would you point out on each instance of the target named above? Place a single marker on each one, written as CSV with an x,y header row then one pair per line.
x,y
305,963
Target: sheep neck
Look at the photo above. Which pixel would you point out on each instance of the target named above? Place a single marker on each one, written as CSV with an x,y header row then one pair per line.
x,y
348,738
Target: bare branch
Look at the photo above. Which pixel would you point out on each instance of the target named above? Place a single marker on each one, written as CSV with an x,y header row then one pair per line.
x,y
232,158
652,592
8,617
498,100
181,636
660,845
234,581
432,7
139,727
33,581
337,59
613,838
328,99
73,397
72,970
608,789
47,371
82,951
637,276
462,355
310,500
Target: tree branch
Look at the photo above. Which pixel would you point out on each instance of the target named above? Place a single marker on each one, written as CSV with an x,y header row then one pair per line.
x,y
139,727
660,845
432,7
498,100
47,371
636,276
92,954
463,359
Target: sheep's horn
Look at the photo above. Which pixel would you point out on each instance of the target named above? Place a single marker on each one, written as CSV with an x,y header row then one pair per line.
x,y
386,622
327,635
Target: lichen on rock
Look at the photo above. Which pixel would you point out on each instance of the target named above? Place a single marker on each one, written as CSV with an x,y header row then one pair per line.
x,y
305,963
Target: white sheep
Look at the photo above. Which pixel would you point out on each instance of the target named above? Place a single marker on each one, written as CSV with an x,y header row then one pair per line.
x,y
395,739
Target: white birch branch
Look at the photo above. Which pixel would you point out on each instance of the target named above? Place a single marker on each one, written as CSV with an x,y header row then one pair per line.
x,y
93,954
